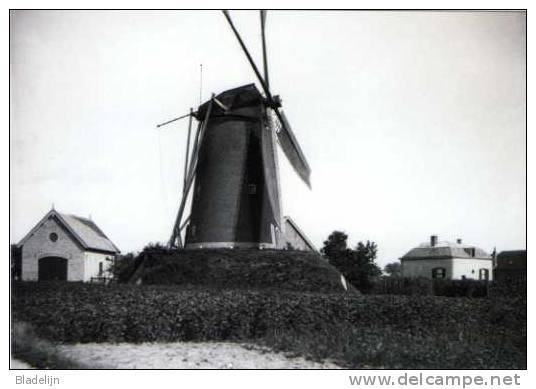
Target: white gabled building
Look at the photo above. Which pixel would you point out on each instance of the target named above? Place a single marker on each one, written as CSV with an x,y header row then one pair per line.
x,y
448,260
65,248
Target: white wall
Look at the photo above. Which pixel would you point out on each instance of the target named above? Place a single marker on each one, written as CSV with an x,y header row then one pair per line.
x,y
92,261
469,268
423,267
39,245
455,268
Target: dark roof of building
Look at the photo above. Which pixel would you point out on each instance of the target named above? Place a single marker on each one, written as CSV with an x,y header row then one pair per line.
x,y
84,230
446,250
512,253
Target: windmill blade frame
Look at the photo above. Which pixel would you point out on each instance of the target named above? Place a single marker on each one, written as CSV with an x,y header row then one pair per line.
x,y
271,170
191,176
286,136
264,51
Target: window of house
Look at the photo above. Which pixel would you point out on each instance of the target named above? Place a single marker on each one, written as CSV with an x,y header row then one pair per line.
x,y
483,274
101,268
252,189
439,272
470,251
53,237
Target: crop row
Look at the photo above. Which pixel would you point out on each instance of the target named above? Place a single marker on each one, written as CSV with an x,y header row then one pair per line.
x,y
351,328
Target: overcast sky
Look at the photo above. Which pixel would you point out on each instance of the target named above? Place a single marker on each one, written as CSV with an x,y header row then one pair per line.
x,y
413,122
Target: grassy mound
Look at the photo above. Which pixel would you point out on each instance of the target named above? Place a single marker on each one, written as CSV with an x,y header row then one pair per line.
x,y
242,269
355,330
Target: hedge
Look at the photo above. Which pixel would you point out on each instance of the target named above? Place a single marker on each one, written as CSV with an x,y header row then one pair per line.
x,y
358,331
514,287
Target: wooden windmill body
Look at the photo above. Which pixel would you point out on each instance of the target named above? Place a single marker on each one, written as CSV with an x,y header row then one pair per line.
x,y
233,168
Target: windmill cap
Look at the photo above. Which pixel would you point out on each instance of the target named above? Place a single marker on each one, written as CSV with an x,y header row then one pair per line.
x,y
241,97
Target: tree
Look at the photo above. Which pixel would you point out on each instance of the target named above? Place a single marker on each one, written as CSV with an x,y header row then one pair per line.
x,y
335,245
393,269
365,270
357,266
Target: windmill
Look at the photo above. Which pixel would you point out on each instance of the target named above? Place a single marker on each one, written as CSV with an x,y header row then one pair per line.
x,y
233,166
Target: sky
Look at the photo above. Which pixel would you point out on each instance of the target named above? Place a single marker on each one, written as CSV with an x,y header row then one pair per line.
x,y
413,122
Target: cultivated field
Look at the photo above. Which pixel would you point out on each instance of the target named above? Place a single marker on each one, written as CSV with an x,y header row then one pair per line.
x,y
359,331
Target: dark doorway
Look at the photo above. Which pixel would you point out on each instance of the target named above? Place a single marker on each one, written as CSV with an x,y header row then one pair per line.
x,y
52,269
16,262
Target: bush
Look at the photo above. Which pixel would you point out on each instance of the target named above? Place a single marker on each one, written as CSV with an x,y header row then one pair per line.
x,y
378,331
122,267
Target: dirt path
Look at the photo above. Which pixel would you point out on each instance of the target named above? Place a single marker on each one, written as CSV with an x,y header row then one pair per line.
x,y
184,355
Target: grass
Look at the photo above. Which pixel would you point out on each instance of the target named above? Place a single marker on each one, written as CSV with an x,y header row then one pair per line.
x,y
296,271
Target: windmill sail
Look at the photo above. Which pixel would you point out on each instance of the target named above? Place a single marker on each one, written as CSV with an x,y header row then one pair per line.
x,y
271,178
286,136
189,178
292,149
264,55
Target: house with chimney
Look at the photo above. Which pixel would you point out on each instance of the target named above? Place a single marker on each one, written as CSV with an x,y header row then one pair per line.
x,y
447,260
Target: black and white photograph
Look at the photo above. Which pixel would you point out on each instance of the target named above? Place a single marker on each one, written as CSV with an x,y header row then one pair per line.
x,y
268,189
